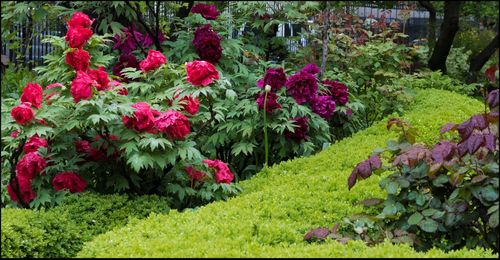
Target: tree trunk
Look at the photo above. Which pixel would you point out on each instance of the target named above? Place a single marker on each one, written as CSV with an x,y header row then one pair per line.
x,y
478,61
431,35
326,27
447,32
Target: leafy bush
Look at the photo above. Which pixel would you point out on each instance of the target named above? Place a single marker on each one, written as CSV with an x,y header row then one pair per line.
x,y
62,230
292,197
28,233
445,196
436,80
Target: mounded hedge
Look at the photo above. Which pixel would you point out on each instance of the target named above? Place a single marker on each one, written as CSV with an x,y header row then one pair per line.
x,y
62,230
279,205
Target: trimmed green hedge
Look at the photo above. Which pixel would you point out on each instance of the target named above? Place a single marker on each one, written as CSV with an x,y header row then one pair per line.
x,y
279,205
61,231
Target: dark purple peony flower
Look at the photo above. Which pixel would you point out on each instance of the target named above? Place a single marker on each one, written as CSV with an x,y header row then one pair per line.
x,y
338,91
300,131
127,44
323,106
207,44
208,12
271,102
274,77
148,41
311,68
302,87
125,61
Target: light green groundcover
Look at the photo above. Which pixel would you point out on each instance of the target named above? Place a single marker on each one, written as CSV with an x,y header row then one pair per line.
x,y
280,205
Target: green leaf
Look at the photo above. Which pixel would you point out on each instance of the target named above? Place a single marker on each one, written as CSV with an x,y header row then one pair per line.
x,y
415,218
429,212
428,225
440,180
489,193
392,188
493,221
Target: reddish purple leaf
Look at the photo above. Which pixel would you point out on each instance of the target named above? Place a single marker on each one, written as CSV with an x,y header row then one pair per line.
x,y
465,129
490,142
462,149
474,142
448,127
443,151
493,98
375,162
479,122
318,233
364,169
352,178
490,73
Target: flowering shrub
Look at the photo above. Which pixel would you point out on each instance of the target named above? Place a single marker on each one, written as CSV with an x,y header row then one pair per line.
x,y
100,134
142,129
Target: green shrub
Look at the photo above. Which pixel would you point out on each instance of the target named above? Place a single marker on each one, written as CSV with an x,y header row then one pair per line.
x,y
280,204
436,80
62,230
27,233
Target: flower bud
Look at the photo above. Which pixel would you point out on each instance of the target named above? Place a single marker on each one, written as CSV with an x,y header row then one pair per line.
x,y
267,88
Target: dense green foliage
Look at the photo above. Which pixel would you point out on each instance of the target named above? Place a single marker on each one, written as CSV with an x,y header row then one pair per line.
x,y
61,231
281,203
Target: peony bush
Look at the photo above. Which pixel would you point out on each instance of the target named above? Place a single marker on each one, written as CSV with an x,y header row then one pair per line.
x,y
156,123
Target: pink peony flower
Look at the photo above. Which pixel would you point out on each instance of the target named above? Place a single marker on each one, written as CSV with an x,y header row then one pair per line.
x,y
201,73
32,93
222,172
173,123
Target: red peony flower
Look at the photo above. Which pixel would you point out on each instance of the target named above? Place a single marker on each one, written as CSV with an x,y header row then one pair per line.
x,y
82,146
274,77
69,181
300,131
207,44
222,173
101,77
302,87
15,133
80,19
78,36
34,143
208,12
194,174
143,120
93,154
81,86
78,59
271,102
153,61
22,113
32,93
188,103
30,165
25,190
173,123
201,73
